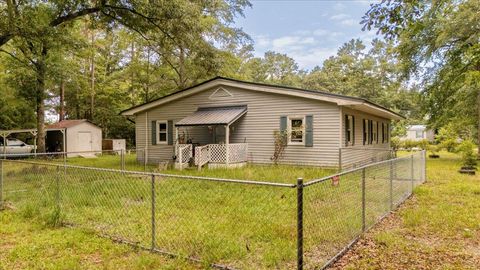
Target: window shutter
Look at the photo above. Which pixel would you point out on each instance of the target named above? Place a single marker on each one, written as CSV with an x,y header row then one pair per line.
x,y
283,123
383,132
170,132
154,132
364,132
309,131
346,130
370,130
283,127
353,130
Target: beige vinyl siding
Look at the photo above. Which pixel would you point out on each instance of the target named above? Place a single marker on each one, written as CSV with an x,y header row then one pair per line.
x,y
256,127
359,154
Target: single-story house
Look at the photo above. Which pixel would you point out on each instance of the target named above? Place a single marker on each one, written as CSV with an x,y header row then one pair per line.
x,y
79,135
418,133
230,122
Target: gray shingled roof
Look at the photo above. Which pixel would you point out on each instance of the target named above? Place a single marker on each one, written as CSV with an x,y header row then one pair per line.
x,y
213,116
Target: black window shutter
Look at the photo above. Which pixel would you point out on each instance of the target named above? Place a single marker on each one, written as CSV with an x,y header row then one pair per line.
x,y
170,132
154,132
309,131
370,137
283,127
346,130
364,132
353,130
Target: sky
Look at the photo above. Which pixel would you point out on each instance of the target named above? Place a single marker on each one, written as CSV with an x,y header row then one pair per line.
x,y
308,31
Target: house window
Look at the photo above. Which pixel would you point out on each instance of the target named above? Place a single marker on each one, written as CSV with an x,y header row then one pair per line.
x,y
419,134
296,130
367,134
349,130
374,131
162,131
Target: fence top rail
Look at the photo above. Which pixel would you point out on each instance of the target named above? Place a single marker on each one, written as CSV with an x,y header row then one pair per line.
x,y
366,148
186,177
60,153
326,178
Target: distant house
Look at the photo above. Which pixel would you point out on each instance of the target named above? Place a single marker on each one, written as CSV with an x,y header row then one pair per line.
x,y
224,121
80,136
418,133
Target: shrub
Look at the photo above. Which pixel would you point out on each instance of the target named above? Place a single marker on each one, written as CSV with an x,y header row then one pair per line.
x,y
468,156
423,144
395,143
434,149
280,141
409,144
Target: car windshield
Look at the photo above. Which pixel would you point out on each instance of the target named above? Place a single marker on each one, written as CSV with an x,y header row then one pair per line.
x,y
15,142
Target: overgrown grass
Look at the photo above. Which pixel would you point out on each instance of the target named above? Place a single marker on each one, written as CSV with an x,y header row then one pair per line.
x,y
30,245
438,229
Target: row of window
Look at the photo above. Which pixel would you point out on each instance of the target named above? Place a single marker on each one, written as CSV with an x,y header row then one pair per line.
x,y
372,131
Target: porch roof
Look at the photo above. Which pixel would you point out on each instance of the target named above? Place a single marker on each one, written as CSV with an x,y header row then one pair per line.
x,y
213,116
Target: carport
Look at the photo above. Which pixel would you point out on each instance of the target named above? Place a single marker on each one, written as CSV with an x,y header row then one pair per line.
x,y
5,133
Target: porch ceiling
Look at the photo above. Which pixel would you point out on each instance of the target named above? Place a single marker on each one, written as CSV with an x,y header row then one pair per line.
x,y
213,116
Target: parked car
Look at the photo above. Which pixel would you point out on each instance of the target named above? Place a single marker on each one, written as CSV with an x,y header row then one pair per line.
x,y
15,146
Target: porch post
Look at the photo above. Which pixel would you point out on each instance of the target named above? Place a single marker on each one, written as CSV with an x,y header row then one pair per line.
x,y
176,141
34,133
227,142
4,136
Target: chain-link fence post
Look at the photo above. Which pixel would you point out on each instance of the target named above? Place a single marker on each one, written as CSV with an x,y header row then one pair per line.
x,y
411,171
424,165
300,223
153,213
1,184
122,160
144,160
363,201
391,184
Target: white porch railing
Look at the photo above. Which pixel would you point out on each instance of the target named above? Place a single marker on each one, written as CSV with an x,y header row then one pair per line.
x,y
202,155
217,153
184,154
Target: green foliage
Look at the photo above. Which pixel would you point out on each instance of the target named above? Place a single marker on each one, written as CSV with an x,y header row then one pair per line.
x,y
469,159
395,143
53,218
441,32
423,144
409,144
447,138
371,74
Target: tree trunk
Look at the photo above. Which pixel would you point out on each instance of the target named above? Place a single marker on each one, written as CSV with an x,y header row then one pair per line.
x,y
61,115
40,98
92,79
478,122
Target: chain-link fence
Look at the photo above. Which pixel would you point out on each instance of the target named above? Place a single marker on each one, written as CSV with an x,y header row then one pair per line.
x,y
351,157
220,222
130,159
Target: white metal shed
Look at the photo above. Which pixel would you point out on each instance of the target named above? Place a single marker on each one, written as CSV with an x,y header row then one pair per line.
x,y
80,136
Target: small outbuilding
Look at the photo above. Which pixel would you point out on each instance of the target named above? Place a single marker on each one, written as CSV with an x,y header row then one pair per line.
x,y
418,133
80,136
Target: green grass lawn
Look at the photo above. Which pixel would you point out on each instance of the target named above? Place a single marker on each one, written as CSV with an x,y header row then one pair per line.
x,y
240,225
32,245
438,229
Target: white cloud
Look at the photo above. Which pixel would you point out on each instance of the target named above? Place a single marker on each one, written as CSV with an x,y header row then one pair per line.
x,y
350,22
308,48
340,16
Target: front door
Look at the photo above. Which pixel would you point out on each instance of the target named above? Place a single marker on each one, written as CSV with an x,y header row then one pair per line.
x,y
85,141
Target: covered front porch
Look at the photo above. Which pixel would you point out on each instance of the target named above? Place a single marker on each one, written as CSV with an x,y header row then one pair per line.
x,y
216,149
